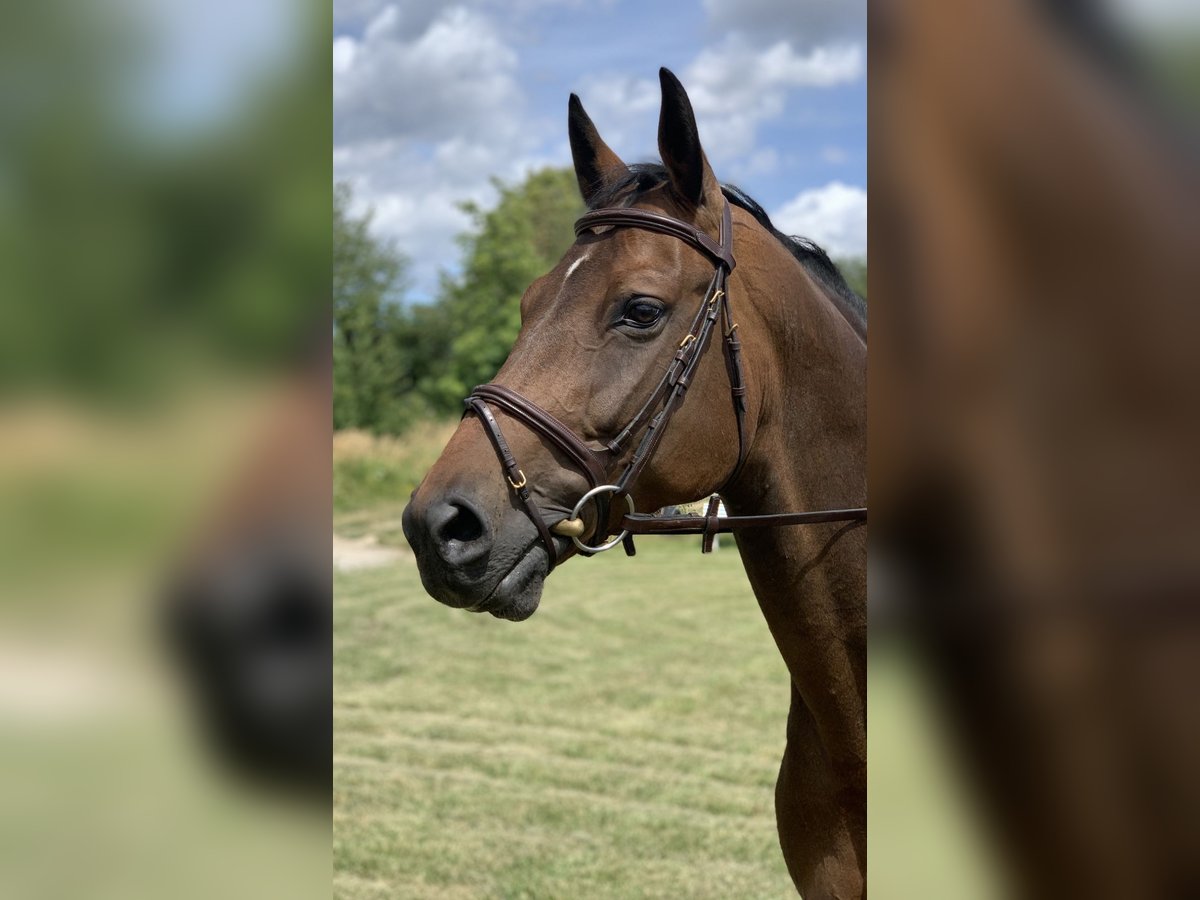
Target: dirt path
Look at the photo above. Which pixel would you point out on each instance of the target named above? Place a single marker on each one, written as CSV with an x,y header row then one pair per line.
x,y
355,554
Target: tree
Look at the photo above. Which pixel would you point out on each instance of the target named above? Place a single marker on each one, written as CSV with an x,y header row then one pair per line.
x,y
854,270
509,246
370,327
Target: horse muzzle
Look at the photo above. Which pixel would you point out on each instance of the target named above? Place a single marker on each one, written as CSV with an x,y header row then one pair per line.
x,y
468,562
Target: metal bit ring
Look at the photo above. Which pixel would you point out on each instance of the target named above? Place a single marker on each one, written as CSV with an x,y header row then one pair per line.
x,y
579,504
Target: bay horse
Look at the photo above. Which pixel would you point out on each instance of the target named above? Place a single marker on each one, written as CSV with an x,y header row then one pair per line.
x,y
1036,217
597,332
246,607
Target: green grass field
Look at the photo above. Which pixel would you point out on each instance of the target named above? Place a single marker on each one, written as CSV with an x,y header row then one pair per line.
x,y
621,743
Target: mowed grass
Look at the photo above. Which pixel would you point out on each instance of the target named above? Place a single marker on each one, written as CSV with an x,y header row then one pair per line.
x,y
622,743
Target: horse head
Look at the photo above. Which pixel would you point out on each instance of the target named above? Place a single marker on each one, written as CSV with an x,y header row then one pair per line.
x,y
598,332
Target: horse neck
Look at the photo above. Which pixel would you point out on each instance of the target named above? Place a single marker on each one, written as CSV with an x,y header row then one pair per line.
x,y
808,374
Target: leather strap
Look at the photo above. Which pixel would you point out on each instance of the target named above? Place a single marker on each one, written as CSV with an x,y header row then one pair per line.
x,y
593,463
712,522
516,478
679,384
654,401
543,423
644,523
720,253
737,389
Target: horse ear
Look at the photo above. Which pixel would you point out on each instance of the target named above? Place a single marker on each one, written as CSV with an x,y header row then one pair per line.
x,y
679,144
595,163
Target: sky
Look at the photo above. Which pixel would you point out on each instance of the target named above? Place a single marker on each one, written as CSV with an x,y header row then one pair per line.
x,y
201,58
433,99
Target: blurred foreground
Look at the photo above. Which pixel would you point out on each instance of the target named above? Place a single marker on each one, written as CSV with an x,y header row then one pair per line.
x,y
1035,215
164,408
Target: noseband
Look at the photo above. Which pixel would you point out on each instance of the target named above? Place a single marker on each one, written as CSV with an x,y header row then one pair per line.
x,y
599,465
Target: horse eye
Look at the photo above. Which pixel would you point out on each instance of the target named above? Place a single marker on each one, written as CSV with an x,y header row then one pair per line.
x,y
642,313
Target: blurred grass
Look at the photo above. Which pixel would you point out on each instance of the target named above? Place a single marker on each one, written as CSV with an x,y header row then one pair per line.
x,y
101,762
116,803
93,506
923,839
623,742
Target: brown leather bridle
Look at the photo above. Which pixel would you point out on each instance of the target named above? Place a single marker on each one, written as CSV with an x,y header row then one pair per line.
x,y
599,464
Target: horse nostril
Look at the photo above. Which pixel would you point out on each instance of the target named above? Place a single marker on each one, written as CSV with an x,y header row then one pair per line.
x,y
463,525
453,528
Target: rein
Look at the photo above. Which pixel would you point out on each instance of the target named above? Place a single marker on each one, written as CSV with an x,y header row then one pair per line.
x,y
599,465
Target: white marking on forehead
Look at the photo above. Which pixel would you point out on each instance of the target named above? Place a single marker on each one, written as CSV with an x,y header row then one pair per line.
x,y
574,266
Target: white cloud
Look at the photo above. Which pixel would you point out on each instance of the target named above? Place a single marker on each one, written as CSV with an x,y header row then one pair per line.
x,y
429,106
353,15
625,110
636,95
423,223
736,86
804,24
835,216
422,120
729,75
416,195
456,77
344,51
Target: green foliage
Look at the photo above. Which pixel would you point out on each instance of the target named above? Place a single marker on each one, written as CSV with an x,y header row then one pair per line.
x,y
137,258
393,363
368,323
854,270
508,248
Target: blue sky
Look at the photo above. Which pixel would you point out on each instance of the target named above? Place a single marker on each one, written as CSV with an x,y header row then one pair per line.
x,y
432,99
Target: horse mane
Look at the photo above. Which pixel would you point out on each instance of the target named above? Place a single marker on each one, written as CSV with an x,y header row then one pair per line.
x,y
643,177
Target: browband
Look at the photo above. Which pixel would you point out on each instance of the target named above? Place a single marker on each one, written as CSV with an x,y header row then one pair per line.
x,y
720,254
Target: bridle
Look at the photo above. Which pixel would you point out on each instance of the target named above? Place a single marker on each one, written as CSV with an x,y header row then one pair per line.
x,y
599,465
